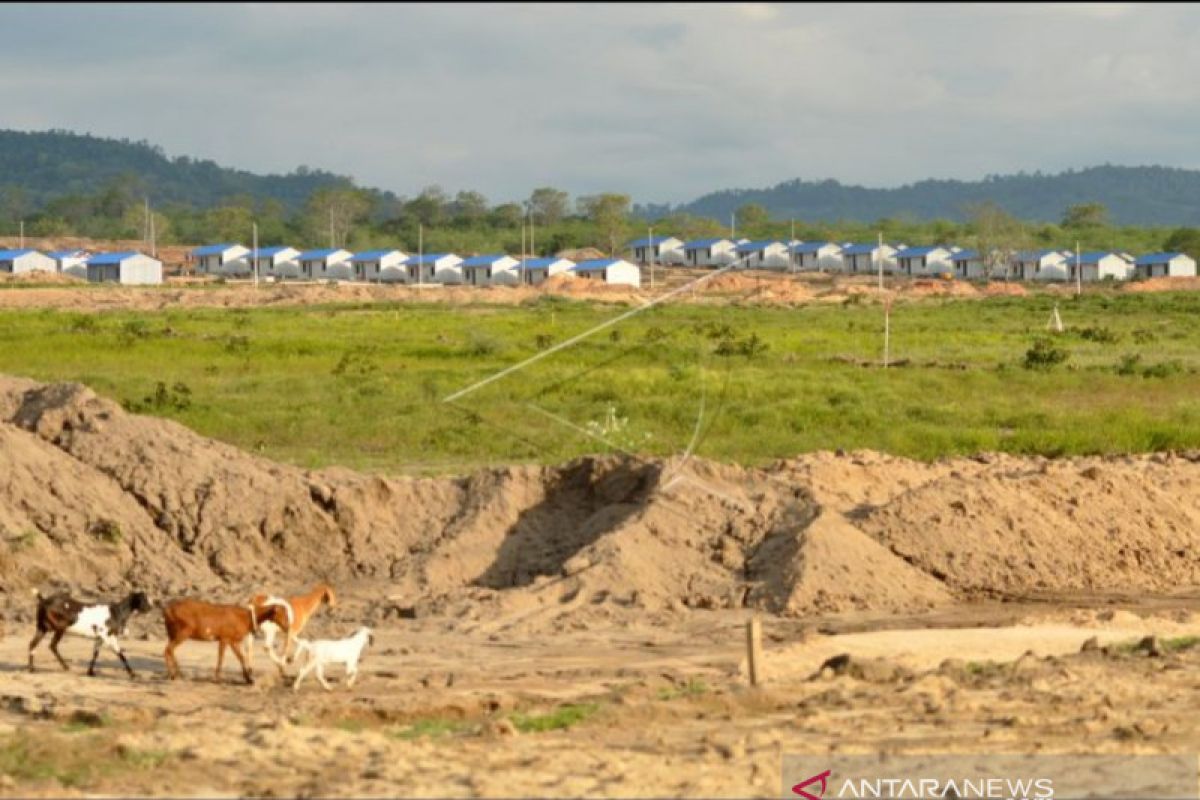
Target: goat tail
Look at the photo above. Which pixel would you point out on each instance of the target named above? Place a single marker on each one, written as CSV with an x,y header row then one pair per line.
x,y
253,617
291,620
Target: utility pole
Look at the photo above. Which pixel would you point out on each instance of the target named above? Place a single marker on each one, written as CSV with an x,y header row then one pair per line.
x,y
146,221
254,255
879,250
650,246
1079,274
22,240
420,254
523,276
332,243
153,237
733,226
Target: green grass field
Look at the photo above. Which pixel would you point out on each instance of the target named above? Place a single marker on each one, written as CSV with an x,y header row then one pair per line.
x,y
363,385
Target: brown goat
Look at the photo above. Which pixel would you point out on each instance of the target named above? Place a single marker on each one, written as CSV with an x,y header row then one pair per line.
x,y
228,625
303,607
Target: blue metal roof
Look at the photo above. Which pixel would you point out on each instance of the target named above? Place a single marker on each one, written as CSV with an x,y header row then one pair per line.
x,y
9,255
594,264
427,258
917,252
483,261
1157,258
1037,255
860,249
700,244
112,258
372,255
966,255
754,247
267,252
318,255
647,241
213,249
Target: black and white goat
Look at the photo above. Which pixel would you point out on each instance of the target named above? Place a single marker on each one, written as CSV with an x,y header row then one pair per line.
x,y
60,615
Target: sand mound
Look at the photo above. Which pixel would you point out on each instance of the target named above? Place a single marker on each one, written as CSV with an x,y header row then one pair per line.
x,y
95,497
995,289
1189,284
581,254
928,288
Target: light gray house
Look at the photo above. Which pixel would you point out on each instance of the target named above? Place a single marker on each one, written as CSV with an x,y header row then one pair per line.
x,y
1165,265
26,260
129,268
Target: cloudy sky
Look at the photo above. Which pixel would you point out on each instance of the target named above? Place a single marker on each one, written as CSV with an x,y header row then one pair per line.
x,y
664,102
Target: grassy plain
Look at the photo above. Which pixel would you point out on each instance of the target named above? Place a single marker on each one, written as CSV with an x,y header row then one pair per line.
x,y
363,385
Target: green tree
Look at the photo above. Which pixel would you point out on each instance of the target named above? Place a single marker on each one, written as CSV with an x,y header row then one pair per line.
x,y
470,207
334,212
998,236
548,205
229,224
1184,240
610,214
752,217
429,207
1085,215
507,215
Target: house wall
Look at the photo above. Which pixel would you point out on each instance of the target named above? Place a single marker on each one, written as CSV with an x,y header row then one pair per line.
x,y
623,273
30,262
448,271
141,270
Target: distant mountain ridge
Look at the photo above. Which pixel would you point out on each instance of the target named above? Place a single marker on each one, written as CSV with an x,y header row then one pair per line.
x,y
46,165
1151,195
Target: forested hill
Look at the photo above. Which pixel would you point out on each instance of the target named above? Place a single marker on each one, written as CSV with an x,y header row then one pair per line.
x,y
1133,195
54,164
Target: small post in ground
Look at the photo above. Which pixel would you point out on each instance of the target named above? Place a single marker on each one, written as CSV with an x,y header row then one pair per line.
x,y
754,655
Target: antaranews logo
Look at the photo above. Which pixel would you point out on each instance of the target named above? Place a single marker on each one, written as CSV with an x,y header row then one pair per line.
x,y
802,787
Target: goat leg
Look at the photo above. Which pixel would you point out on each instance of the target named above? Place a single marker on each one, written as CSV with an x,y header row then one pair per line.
x,y
115,646
33,643
220,659
237,651
54,640
95,654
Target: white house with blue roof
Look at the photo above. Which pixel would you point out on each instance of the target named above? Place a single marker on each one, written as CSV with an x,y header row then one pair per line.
x,y
70,262
1040,265
496,269
130,268
969,265
536,270
608,270
26,260
1099,265
763,254
932,260
825,256
709,252
386,266
222,259
864,257
278,261
327,264
663,249
434,268
1165,265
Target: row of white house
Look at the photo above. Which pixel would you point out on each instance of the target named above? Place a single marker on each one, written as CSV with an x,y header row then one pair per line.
x,y
129,267
395,266
1044,265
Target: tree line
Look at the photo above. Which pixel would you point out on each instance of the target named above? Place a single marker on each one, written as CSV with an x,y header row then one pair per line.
x,y
546,222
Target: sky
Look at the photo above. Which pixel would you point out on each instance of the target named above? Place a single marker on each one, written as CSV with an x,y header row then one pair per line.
x,y
663,102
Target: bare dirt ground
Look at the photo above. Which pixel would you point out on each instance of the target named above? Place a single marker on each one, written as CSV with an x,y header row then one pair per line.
x,y
578,629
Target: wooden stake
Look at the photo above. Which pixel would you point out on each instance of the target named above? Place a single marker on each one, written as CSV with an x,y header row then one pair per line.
x,y
754,656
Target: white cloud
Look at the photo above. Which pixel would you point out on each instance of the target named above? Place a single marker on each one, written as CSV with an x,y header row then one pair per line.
x,y
663,101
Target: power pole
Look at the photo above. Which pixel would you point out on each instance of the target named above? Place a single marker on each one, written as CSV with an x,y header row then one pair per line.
x,y
650,245
420,254
254,255
332,243
1079,274
523,251
153,238
880,251
22,240
733,226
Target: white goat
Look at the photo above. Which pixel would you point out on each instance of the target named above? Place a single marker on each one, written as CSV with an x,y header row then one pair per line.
x,y
322,652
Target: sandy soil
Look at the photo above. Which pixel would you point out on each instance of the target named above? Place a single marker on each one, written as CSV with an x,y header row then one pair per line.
x,y
673,716
907,607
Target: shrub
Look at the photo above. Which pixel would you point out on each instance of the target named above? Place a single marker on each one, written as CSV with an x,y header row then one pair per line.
x,y
1099,334
1128,364
1044,355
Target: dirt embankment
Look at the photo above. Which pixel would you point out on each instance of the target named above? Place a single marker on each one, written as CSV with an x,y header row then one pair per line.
x,y
96,497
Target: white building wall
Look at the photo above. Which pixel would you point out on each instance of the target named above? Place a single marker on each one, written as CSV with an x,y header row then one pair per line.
x,y
141,270
30,262
448,270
